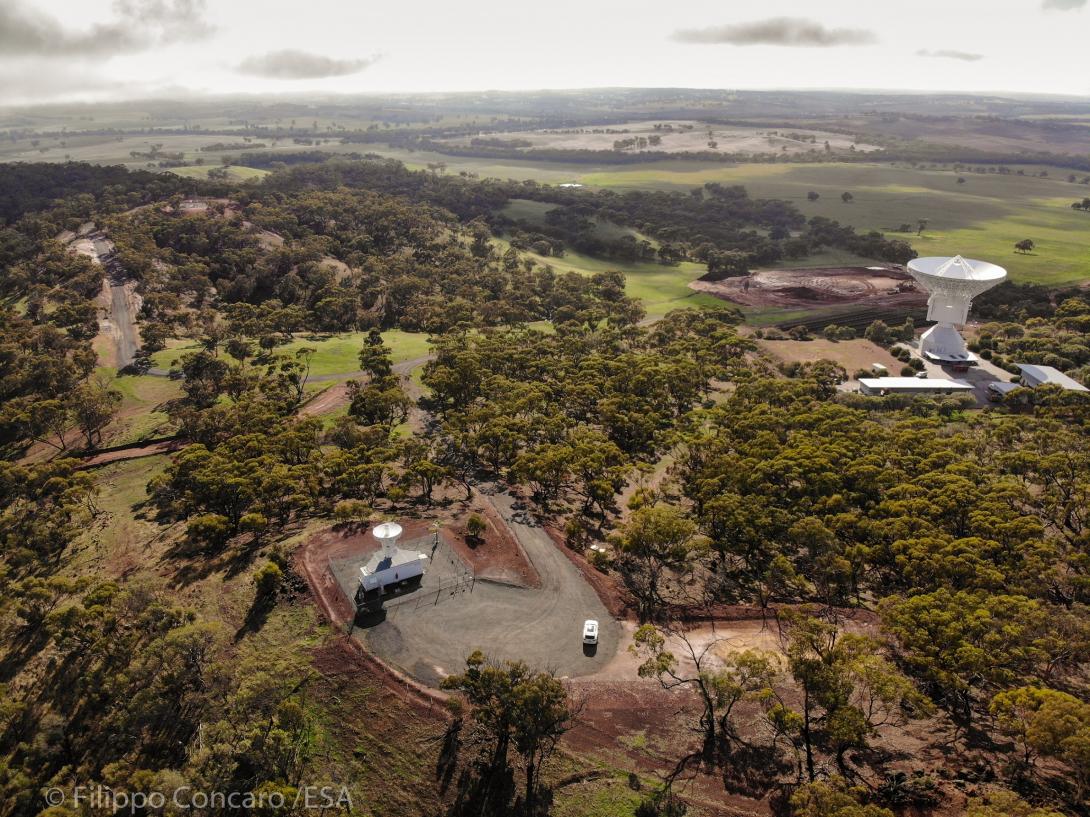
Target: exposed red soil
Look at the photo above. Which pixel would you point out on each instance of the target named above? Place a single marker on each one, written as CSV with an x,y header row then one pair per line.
x,y
345,655
497,555
818,286
151,450
329,400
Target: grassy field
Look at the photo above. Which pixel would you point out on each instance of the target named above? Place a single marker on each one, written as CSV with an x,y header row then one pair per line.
x,y
118,149
235,173
983,217
851,354
336,355
141,414
660,288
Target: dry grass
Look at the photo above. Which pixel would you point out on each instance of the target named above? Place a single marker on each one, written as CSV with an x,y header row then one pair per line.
x,y
851,354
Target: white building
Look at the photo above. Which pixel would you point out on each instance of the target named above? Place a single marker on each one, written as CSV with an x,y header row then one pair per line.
x,y
390,565
878,386
1034,376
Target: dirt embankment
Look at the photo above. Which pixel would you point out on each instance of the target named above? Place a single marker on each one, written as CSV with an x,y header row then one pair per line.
x,y
818,286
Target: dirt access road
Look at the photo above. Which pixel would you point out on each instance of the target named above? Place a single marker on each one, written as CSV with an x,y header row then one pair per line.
x,y
124,303
541,626
123,319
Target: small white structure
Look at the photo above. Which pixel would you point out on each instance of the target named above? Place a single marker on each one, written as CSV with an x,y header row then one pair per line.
x,y
879,369
877,386
953,283
391,564
1034,376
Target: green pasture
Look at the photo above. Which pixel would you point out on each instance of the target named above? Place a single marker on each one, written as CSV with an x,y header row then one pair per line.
x,y
333,355
142,412
660,288
235,173
983,217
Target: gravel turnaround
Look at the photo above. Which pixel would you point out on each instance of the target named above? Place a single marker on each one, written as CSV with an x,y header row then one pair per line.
x,y
430,634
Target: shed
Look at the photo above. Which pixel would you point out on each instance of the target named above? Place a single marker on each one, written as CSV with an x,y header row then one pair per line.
x,y
911,385
1034,376
1000,389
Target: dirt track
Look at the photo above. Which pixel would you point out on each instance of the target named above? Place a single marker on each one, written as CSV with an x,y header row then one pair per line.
x,y
123,321
123,302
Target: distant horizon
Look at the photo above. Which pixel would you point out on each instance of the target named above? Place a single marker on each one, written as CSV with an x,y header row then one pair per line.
x,y
299,97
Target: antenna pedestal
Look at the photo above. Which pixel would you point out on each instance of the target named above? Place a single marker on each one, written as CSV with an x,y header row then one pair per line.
x,y
943,342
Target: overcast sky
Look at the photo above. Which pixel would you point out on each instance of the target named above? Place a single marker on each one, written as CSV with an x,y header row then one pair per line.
x,y
63,49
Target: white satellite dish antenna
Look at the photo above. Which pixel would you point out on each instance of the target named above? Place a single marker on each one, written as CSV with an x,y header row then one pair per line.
x,y
952,284
387,535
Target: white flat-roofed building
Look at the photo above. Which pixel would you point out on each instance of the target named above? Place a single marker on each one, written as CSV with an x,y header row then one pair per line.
x,y
391,565
876,386
1034,376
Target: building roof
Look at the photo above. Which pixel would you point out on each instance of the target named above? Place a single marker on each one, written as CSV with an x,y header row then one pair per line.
x,y
381,561
1002,387
1047,374
915,383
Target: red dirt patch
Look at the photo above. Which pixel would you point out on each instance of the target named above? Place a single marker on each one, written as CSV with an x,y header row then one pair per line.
x,y
326,401
496,555
150,450
818,286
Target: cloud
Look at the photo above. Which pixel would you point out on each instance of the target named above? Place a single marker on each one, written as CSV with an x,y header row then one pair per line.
x,y
947,54
794,32
139,25
293,64
1063,5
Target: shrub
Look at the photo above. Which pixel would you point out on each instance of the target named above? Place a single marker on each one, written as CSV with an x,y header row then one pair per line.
x,y
475,526
351,510
268,579
210,529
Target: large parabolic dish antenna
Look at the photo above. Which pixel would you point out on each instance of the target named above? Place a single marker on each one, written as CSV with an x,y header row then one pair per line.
x,y
952,283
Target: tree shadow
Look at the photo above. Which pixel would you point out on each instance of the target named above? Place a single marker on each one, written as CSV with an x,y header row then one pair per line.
x,y
28,642
447,763
484,792
256,616
753,771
